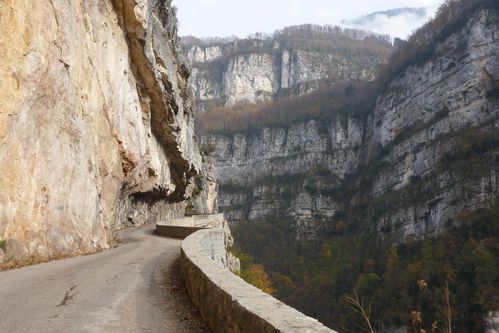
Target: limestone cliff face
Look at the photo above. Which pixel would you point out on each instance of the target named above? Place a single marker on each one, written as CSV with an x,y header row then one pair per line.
x,y
282,151
285,170
427,153
291,62
96,128
204,198
426,115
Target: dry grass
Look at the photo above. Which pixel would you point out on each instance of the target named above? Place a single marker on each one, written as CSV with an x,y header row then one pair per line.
x,y
40,260
357,304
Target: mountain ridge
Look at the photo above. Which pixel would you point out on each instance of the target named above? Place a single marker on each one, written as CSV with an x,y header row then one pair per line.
x,y
294,61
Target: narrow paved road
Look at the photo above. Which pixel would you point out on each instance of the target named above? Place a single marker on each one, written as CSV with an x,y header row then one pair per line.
x,y
120,290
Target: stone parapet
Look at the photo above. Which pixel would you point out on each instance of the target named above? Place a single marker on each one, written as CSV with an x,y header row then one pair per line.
x,y
183,227
226,302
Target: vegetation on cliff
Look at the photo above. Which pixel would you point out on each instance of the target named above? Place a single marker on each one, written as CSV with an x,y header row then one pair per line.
x,y
318,276
344,100
306,37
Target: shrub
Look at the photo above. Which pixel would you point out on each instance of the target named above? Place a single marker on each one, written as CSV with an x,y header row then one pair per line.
x,y
493,93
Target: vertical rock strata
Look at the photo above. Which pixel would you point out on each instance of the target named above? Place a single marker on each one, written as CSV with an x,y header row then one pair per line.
x,y
96,127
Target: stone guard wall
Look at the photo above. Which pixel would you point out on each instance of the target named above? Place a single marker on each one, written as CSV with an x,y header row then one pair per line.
x,y
183,227
225,301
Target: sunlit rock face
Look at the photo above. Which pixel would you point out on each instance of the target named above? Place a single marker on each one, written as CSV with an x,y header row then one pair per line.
x,y
96,127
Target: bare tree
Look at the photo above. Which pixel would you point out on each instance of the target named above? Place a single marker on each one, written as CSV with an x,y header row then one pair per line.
x,y
448,323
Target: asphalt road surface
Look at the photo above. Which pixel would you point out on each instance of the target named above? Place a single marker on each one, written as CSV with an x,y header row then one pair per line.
x,y
124,289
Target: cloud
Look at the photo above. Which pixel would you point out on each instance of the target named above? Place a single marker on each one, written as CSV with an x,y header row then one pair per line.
x,y
397,23
205,18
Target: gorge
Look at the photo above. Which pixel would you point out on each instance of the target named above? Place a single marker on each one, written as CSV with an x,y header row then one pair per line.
x,y
416,125
357,173
415,165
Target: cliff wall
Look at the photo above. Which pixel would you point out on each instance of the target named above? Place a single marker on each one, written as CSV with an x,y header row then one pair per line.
x,y
426,153
277,170
435,132
96,129
292,62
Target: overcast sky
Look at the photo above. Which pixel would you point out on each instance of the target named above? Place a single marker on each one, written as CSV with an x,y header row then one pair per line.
x,y
208,18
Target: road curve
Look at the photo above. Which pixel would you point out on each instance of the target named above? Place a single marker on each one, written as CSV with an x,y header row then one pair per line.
x,y
120,290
